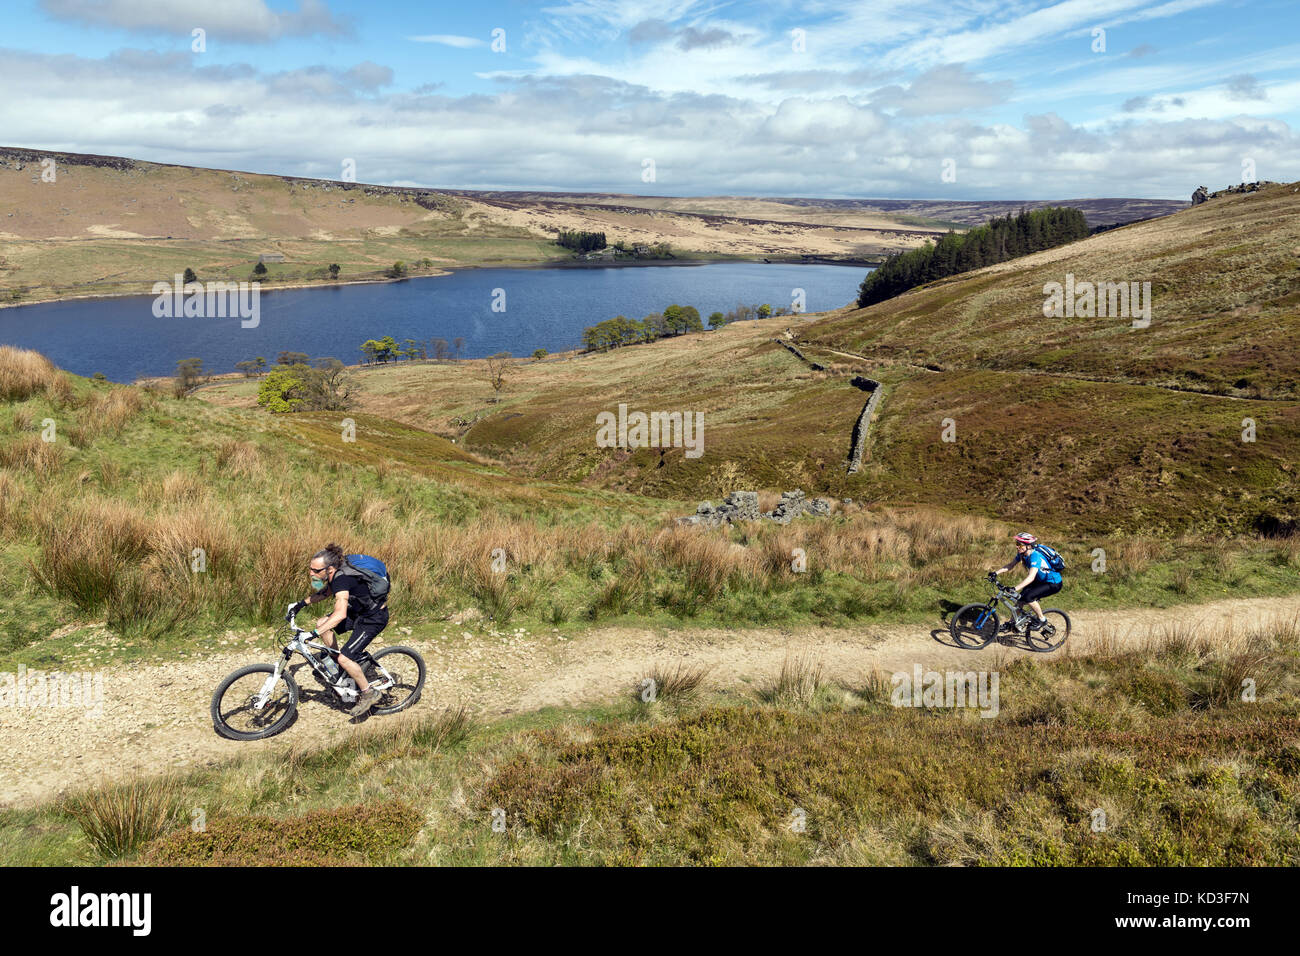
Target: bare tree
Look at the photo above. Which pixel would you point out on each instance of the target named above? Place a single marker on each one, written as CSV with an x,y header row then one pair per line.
x,y
459,343
494,369
441,350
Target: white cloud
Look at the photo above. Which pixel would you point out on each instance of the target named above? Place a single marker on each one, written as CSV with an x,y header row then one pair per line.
x,y
943,90
591,132
249,21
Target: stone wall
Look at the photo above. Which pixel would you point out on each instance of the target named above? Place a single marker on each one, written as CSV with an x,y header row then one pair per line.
x,y
864,420
800,356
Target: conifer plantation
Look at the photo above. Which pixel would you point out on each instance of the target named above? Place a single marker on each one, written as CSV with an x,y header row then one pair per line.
x,y
996,241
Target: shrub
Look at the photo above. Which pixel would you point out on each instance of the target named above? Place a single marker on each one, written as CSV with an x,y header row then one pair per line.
x,y
338,836
188,374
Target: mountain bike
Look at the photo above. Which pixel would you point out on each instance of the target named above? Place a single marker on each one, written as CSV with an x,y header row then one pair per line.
x,y
261,700
977,625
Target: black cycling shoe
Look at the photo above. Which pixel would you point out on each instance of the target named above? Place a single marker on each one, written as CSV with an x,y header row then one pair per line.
x,y
1036,625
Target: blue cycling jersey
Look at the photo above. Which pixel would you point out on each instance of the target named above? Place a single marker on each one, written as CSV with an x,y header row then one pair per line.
x,y
1033,558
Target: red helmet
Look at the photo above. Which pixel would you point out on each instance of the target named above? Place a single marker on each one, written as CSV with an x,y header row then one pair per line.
x,y
1026,538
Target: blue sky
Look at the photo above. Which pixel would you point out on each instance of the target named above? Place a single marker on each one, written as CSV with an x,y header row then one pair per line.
x,y
1013,99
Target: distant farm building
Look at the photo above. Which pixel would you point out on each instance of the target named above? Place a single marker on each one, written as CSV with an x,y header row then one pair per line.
x,y
271,257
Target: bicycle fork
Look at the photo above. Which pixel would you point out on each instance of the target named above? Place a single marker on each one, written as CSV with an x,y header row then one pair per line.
x,y
268,687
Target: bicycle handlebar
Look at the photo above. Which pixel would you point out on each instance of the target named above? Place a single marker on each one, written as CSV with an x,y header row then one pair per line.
x,y
1002,588
292,618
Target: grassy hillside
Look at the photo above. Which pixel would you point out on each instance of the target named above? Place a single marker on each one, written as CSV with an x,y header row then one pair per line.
x,y
108,225
142,481
1078,426
1225,285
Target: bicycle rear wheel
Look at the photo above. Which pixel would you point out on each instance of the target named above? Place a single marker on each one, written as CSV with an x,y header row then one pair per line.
x,y
234,711
974,626
406,670
1052,634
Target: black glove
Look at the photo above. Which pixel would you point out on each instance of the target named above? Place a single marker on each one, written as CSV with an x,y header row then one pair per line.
x,y
294,609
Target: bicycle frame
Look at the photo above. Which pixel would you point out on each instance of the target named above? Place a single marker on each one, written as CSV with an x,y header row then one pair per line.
x,y
344,686
1001,596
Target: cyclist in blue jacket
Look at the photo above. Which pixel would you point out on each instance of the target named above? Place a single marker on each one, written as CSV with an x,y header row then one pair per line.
x,y
1040,582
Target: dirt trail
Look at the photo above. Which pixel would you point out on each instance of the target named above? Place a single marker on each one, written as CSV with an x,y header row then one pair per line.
x,y
155,718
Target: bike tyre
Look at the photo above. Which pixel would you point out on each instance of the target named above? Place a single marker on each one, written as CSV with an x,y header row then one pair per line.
x,y
225,730
414,696
1060,622
970,637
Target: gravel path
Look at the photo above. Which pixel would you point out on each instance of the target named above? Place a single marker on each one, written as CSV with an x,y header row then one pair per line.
x,y
154,718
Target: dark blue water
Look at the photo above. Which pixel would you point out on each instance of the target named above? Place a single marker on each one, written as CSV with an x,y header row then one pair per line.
x,y
544,308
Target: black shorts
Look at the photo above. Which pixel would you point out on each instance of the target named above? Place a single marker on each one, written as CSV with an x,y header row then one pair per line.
x,y
362,634
1037,590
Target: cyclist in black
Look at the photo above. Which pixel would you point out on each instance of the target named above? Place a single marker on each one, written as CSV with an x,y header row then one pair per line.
x,y
355,610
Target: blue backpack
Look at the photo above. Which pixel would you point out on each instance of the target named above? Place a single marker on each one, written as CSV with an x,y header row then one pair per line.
x,y
371,570
1054,560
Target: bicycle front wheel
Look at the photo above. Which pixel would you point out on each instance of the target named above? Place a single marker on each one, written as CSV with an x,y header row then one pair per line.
x,y
404,668
974,626
1052,634
235,713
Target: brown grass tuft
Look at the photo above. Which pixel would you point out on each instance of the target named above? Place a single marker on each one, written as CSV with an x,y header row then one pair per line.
x,y
109,412
24,373
239,459
797,684
120,820
33,454
680,681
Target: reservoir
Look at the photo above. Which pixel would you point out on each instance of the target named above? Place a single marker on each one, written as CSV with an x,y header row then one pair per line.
x,y
534,308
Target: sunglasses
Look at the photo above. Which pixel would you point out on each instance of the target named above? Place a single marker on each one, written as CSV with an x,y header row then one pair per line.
x,y
316,570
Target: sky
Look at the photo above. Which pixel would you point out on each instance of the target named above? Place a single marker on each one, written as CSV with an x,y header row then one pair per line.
x,y
906,99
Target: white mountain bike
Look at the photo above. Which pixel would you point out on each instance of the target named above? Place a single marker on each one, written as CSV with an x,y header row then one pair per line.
x,y
261,700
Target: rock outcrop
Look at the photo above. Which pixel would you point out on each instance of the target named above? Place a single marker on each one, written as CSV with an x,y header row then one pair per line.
x,y
1201,195
743,506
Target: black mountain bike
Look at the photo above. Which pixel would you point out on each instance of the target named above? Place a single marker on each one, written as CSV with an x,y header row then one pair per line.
x,y
977,625
261,700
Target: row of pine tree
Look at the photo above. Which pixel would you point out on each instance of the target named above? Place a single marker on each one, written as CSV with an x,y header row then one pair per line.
x,y
996,241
